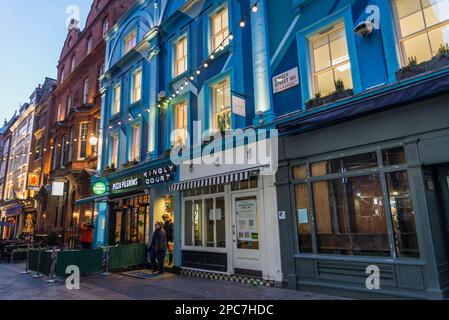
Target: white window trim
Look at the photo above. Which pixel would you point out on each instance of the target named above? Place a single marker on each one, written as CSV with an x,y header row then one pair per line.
x,y
184,58
80,140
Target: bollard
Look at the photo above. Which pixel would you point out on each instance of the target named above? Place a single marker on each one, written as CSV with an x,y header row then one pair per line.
x,y
27,263
106,273
38,274
54,256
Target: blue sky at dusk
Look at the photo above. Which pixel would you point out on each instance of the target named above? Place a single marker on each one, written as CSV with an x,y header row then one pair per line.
x,y
32,34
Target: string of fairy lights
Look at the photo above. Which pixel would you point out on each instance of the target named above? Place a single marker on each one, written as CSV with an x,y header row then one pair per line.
x,y
175,92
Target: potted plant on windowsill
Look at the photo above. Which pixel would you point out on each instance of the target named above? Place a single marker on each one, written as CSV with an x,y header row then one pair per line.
x,y
340,93
413,69
130,164
109,169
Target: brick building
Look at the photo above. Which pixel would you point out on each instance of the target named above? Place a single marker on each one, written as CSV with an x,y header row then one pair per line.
x,y
75,118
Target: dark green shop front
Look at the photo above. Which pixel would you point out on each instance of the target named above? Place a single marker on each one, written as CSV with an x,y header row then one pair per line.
x,y
368,192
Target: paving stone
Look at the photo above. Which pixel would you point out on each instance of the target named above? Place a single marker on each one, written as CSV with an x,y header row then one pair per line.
x,y
16,286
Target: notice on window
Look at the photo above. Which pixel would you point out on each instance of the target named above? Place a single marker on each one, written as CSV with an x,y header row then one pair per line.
x,y
246,211
302,216
215,215
286,80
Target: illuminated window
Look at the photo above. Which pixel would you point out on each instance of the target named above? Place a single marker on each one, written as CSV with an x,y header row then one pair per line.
x,y
222,106
130,41
423,27
181,123
83,140
181,56
135,151
330,61
114,151
117,97
220,29
137,86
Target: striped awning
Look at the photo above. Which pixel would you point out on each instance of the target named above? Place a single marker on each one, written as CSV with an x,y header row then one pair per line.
x,y
213,181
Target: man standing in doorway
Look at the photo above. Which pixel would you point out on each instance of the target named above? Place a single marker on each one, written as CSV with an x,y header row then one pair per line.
x,y
169,232
158,248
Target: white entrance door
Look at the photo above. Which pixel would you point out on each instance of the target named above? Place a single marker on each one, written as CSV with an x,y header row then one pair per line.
x,y
246,232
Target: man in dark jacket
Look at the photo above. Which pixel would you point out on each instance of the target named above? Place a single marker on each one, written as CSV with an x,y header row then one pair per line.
x,y
158,248
169,232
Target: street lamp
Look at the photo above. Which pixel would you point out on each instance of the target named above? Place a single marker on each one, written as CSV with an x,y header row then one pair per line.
x,y
93,140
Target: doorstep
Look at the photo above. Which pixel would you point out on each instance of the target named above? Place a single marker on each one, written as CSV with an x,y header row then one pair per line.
x,y
210,275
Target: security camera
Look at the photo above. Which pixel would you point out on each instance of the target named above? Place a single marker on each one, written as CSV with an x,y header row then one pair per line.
x,y
364,29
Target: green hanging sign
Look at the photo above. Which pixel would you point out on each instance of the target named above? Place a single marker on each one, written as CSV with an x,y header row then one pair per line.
x,y
99,188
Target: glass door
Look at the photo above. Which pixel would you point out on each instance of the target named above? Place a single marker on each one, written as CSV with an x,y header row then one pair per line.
x,y
246,232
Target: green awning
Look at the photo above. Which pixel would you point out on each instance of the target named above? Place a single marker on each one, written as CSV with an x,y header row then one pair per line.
x,y
91,200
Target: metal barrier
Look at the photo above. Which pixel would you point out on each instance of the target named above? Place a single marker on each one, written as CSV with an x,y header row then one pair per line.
x,y
53,263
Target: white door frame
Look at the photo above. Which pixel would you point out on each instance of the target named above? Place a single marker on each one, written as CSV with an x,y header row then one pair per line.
x,y
257,255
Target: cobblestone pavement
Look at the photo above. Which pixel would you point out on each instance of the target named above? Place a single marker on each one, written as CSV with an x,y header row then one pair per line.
x,y
17,286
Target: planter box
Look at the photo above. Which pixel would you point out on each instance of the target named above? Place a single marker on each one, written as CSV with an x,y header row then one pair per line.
x,y
436,63
18,256
315,103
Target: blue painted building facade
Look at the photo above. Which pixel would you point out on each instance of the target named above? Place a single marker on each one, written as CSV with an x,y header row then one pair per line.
x,y
363,160
180,66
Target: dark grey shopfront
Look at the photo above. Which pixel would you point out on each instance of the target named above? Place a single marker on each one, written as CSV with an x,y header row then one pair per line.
x,y
371,191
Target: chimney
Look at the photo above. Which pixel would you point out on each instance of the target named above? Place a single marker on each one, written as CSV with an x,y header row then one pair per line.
x,y
74,24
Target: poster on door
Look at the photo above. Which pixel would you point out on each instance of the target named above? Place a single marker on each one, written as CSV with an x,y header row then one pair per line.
x,y
246,211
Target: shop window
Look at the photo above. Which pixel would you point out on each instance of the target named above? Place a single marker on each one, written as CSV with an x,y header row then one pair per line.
x,y
340,165
303,218
247,228
137,86
423,28
198,223
203,191
220,29
394,156
222,106
117,99
330,61
130,41
181,124
180,57
299,172
205,223
350,217
402,214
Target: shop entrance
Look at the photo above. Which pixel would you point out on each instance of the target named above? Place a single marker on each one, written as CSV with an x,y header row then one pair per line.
x,y
441,177
246,234
130,220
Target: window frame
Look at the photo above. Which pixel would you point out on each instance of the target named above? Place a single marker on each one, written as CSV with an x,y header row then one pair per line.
x,y
203,199
403,59
86,91
315,73
114,152
134,92
185,57
185,105
135,152
343,15
381,169
215,112
82,140
116,103
130,35
213,47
